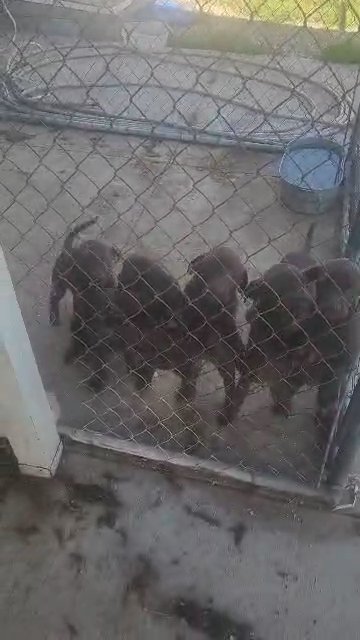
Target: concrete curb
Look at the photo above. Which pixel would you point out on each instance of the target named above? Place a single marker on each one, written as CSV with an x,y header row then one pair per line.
x,y
191,467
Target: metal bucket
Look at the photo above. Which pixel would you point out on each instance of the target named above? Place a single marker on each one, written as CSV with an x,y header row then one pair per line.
x,y
311,175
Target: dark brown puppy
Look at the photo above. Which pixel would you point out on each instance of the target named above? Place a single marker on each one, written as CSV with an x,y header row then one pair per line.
x,y
161,337
336,286
295,340
338,290
90,335
217,278
177,351
146,293
287,291
218,275
77,268
88,272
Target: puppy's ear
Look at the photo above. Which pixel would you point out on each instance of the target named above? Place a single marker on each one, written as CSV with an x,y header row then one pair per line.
x,y
195,263
313,273
243,282
255,288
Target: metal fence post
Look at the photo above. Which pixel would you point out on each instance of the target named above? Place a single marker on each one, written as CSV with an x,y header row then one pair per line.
x,y
25,415
349,444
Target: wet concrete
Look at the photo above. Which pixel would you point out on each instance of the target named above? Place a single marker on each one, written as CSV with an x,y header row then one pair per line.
x,y
109,550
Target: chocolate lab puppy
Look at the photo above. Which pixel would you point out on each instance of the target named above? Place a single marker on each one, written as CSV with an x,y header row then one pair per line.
x,y
90,335
87,270
147,294
287,291
217,277
303,330
178,351
335,285
172,343
77,267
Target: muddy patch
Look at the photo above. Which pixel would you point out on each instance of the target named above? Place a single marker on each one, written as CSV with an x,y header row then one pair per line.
x,y
59,535
123,535
173,480
215,624
202,515
143,578
26,531
93,494
71,630
107,519
238,531
111,477
77,562
287,577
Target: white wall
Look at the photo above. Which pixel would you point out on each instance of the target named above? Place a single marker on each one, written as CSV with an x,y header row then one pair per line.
x,y
25,415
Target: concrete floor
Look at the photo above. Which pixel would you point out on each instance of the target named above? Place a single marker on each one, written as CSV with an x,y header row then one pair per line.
x,y
112,551
176,200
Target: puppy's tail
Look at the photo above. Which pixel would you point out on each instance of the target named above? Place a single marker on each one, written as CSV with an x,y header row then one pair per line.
x,y
75,232
309,238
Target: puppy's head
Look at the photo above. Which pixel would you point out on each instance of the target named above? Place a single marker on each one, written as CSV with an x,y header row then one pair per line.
x,y
221,262
283,296
338,290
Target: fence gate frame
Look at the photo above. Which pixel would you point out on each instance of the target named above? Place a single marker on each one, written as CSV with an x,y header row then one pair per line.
x,y
345,448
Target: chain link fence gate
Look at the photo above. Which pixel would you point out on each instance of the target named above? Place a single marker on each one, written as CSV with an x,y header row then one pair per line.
x,y
341,461
207,95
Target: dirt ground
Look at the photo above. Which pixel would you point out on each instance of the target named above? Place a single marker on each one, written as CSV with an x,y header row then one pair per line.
x,y
112,551
176,200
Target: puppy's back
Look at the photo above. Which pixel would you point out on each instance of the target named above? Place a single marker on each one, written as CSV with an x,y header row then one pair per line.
x,y
146,287
220,262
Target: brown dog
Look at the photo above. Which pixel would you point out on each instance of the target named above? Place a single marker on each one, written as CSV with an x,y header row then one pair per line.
x,y
146,293
90,335
212,292
295,339
76,268
167,337
88,272
286,292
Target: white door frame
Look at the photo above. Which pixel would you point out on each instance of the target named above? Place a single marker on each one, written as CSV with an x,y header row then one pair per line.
x,y
26,418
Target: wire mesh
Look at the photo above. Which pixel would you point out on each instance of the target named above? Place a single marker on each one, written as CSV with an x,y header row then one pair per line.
x,y
206,97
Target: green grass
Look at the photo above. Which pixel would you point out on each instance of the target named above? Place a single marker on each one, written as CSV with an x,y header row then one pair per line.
x,y
231,36
328,14
347,52
216,38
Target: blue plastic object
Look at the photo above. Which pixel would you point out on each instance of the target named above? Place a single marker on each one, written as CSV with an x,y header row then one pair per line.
x,y
175,12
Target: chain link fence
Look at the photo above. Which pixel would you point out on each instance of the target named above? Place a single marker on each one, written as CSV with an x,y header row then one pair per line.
x,y
206,97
